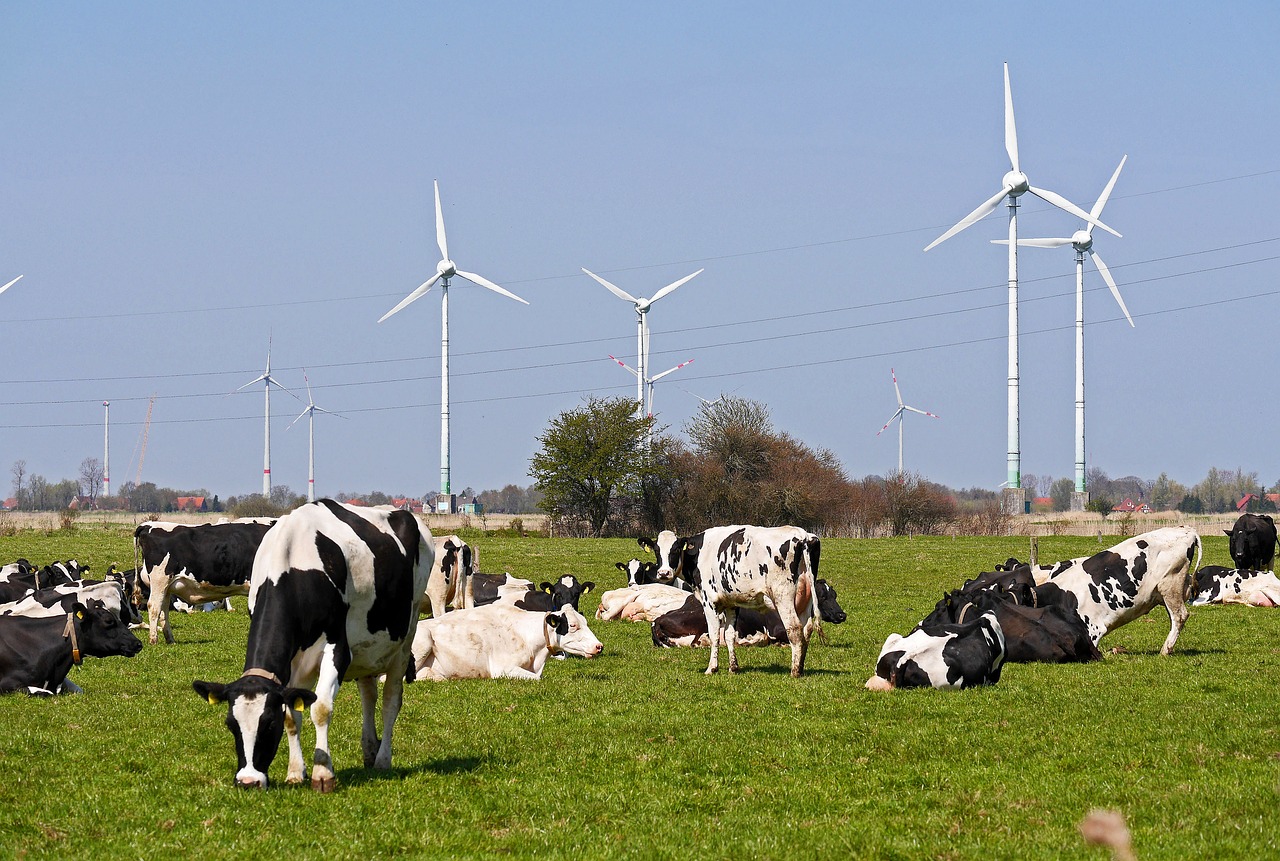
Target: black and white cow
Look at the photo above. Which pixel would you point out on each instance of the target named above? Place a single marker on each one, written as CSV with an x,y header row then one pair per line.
x,y
489,588
450,583
37,652
1050,634
334,595
21,578
1252,541
686,626
566,591
205,562
741,566
946,656
1218,585
1116,586
58,600
638,571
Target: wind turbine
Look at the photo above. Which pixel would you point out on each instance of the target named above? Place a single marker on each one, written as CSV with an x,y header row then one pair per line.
x,y
267,382
1013,185
10,284
1082,241
445,270
651,380
310,412
642,306
898,416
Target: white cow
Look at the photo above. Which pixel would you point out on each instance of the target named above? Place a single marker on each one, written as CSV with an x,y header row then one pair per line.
x,y
497,641
643,603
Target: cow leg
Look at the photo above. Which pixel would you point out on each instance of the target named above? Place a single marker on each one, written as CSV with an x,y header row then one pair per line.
x,y
731,637
369,741
297,765
322,777
158,606
797,633
713,637
1178,615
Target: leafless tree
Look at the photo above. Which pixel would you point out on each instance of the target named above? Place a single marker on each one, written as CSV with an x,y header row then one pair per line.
x,y
91,478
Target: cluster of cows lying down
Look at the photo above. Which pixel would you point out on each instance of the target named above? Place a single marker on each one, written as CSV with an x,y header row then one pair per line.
x,y
1252,542
1053,613
51,618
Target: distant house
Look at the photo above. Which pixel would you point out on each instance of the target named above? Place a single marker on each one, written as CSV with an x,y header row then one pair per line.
x,y
354,502
1130,506
1245,500
190,503
405,503
10,504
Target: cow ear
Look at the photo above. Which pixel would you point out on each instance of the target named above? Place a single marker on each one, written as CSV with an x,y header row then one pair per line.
x,y
544,586
300,698
558,622
588,586
1226,532
211,691
621,566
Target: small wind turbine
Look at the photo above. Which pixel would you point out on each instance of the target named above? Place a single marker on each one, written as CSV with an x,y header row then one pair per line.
x,y
1082,241
10,284
310,412
642,306
1013,185
648,384
445,270
267,382
898,416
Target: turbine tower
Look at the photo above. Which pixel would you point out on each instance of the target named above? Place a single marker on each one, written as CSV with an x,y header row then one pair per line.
x,y
1082,241
1014,185
106,448
898,416
445,270
267,382
310,412
642,306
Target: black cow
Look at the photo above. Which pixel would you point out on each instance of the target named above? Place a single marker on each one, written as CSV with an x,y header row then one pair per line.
x,y
208,562
334,595
687,626
947,656
1051,635
1253,541
37,653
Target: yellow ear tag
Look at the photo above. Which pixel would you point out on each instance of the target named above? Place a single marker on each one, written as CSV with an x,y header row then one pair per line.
x,y
299,705
79,615
213,701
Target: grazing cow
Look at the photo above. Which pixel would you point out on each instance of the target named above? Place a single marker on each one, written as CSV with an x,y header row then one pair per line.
x,y
208,562
1253,541
450,582
498,641
1118,585
687,625
548,597
641,603
36,653
1051,635
334,595
749,566
946,656
1218,585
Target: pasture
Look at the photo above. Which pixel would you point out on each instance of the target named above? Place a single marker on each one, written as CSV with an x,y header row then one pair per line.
x,y
637,754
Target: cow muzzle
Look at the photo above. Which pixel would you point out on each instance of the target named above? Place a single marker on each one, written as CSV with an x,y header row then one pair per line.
x,y
876,683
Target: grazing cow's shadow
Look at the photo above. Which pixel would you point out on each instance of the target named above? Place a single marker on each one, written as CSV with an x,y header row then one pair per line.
x,y
445,766
775,670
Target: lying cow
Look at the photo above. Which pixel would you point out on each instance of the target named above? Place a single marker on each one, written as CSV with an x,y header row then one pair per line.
x,y
496,641
1052,635
1252,541
488,588
641,603
1118,585
687,625
640,573
36,653
548,597
1218,585
945,656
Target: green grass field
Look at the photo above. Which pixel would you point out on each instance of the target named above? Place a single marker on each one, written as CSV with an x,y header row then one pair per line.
x,y
639,755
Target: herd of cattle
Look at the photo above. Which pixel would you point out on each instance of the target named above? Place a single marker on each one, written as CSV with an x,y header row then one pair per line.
x,y
338,592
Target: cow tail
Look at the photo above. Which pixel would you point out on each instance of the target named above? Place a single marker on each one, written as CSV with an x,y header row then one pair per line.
x,y
137,575
1190,586
814,547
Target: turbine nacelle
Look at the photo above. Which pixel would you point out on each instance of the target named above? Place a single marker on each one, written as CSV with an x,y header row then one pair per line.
x,y
1082,240
1016,182
446,269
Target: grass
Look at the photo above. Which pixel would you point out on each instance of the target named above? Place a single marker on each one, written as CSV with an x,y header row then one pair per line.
x,y
639,755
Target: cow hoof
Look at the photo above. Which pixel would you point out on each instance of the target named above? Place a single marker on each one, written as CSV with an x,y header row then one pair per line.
x,y
795,674
712,671
324,785
295,780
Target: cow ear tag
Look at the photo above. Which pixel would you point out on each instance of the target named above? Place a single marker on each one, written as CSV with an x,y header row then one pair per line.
x,y
79,614
213,701
299,705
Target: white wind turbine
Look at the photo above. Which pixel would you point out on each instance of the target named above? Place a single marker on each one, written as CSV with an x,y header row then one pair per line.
x,y
1082,241
445,270
898,416
10,284
267,382
642,306
651,380
310,412
1013,185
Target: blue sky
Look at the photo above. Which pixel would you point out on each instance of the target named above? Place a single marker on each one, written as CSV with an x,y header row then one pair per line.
x,y
179,183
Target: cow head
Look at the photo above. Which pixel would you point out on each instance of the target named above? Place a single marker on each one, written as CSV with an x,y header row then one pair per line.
x,y
668,548
638,572
566,591
255,715
102,633
828,607
567,633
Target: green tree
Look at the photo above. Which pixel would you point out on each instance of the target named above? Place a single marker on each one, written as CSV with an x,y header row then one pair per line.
x,y
590,457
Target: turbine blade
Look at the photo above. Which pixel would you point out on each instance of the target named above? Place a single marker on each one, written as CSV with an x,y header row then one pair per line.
x,y
300,415
440,240
1106,192
977,215
896,391
485,282
676,368
633,371
1115,291
613,288
412,297
1064,204
10,284
271,381
896,413
1010,129
251,382
922,412
1036,243
672,286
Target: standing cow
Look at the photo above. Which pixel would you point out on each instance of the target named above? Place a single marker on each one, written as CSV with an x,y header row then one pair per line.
x,y
1253,541
450,582
334,595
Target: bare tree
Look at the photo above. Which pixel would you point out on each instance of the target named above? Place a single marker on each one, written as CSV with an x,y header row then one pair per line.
x,y
19,472
91,478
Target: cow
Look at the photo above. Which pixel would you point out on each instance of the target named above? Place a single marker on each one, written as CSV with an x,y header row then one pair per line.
x,y
206,562
748,566
548,597
1218,585
450,583
1051,634
687,625
1252,541
334,595
58,600
641,603
1127,581
946,656
499,641
36,653
667,550
20,578
638,571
